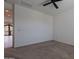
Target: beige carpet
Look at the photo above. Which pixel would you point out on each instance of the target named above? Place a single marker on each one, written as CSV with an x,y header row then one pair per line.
x,y
45,50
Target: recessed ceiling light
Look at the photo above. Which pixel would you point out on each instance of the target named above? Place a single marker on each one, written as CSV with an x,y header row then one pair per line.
x,y
8,15
7,10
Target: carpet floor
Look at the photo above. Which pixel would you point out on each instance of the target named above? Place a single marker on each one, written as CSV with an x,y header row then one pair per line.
x,y
44,50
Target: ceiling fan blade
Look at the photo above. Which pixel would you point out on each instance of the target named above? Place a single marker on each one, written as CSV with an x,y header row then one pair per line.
x,y
55,5
47,3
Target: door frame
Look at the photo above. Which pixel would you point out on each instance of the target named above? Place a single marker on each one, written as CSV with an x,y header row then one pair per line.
x,y
13,18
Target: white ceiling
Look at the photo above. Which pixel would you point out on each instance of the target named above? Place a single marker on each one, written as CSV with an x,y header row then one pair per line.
x,y
50,9
7,5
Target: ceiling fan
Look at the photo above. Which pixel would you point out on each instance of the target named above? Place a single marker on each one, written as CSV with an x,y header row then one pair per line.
x,y
52,1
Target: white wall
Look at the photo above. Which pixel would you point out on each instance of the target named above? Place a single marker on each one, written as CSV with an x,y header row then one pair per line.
x,y
32,26
64,27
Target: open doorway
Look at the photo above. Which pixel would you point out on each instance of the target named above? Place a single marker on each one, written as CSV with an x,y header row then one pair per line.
x,y
8,25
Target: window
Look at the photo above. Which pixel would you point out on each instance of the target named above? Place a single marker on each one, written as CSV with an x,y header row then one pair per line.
x,y
8,30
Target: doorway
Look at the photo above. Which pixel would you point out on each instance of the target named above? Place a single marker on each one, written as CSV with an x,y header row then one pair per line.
x,y
8,25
